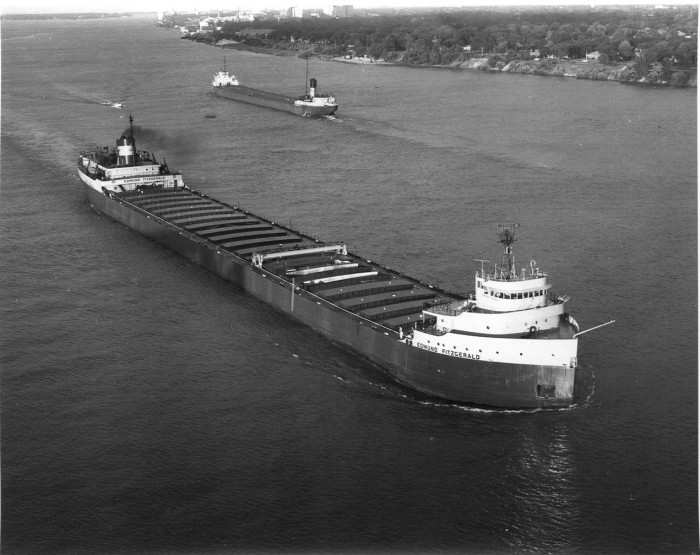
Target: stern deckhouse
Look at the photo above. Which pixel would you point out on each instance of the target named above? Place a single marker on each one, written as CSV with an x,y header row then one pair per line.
x,y
124,168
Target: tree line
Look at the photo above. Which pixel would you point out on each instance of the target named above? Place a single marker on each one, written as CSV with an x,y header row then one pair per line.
x,y
642,35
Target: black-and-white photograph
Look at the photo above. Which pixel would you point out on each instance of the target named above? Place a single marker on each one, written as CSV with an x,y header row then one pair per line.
x,y
380,277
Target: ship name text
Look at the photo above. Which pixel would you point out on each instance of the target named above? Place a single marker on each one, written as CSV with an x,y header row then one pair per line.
x,y
447,352
139,179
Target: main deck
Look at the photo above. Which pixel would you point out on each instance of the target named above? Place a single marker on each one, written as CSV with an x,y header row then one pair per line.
x,y
327,270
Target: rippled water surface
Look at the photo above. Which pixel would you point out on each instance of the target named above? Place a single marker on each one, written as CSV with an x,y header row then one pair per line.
x,y
148,406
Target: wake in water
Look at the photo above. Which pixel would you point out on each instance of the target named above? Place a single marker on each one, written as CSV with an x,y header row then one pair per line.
x,y
117,105
69,93
583,394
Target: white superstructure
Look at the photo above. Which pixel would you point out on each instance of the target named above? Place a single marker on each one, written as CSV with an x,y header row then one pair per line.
x,y
124,168
313,99
512,317
224,79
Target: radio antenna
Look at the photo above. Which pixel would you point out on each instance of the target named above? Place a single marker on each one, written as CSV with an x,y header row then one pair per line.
x,y
506,236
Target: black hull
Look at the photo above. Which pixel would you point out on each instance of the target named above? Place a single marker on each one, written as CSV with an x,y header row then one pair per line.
x,y
445,377
272,100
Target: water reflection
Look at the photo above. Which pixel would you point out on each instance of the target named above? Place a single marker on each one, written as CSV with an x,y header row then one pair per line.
x,y
542,476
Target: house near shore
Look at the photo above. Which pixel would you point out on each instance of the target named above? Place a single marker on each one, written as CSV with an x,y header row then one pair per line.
x,y
593,56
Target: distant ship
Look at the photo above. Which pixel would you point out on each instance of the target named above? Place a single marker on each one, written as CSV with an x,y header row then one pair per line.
x,y
310,104
510,343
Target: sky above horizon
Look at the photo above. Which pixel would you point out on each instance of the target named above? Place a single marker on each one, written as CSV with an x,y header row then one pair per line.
x,y
115,6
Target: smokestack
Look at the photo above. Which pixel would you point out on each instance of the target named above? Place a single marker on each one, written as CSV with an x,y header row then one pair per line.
x,y
312,87
125,151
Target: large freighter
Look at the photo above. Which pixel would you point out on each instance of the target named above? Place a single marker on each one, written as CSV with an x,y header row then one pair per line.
x,y
509,344
310,104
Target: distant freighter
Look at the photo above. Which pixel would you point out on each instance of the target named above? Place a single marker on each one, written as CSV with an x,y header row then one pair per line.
x,y
510,344
310,104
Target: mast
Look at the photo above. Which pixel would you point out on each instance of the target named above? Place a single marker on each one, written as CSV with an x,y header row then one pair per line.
x,y
133,140
506,236
306,80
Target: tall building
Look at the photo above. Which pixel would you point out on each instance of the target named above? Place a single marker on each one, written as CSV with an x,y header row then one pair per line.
x,y
343,11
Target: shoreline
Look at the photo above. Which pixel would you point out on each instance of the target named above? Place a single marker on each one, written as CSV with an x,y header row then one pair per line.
x,y
548,68
577,69
620,72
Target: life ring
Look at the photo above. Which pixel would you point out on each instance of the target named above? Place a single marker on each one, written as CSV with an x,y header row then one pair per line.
x,y
533,329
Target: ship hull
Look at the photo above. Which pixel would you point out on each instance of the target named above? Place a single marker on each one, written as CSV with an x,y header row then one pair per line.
x,y
445,377
272,100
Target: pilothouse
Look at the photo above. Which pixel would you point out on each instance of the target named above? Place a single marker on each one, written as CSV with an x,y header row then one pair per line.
x,y
508,303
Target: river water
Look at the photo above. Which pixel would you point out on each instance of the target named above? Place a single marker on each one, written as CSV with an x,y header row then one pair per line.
x,y
150,407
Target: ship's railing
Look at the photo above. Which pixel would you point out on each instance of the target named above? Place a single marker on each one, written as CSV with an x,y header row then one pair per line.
x,y
512,276
442,305
502,274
